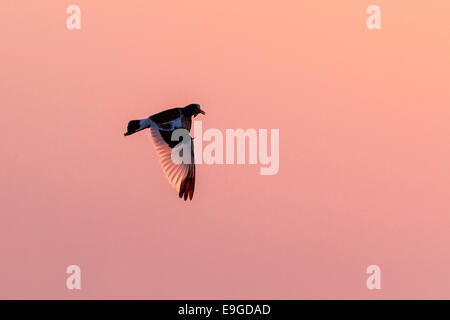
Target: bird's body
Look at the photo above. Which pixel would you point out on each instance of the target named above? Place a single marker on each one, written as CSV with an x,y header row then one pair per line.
x,y
181,176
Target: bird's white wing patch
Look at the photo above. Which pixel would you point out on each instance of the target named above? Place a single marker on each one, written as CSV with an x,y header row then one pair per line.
x,y
181,176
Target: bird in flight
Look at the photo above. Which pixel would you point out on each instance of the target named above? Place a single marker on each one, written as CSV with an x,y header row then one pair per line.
x,y
181,176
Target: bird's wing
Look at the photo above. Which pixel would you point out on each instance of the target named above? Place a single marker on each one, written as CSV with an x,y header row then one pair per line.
x,y
172,118
181,176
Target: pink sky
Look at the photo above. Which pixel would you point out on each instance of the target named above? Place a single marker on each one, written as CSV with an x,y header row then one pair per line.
x,y
364,149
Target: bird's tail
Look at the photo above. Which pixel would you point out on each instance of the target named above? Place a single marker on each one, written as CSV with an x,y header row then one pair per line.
x,y
137,125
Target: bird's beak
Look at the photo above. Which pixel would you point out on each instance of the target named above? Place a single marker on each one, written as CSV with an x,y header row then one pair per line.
x,y
199,111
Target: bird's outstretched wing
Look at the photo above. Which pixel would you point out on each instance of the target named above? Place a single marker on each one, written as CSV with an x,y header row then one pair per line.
x,y
181,176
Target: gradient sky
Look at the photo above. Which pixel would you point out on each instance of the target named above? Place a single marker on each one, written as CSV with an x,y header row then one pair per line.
x,y
364,149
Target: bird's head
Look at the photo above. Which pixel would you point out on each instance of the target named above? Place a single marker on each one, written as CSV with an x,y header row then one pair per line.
x,y
193,110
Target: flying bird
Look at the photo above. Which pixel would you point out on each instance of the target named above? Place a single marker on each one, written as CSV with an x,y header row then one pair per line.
x,y
162,125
